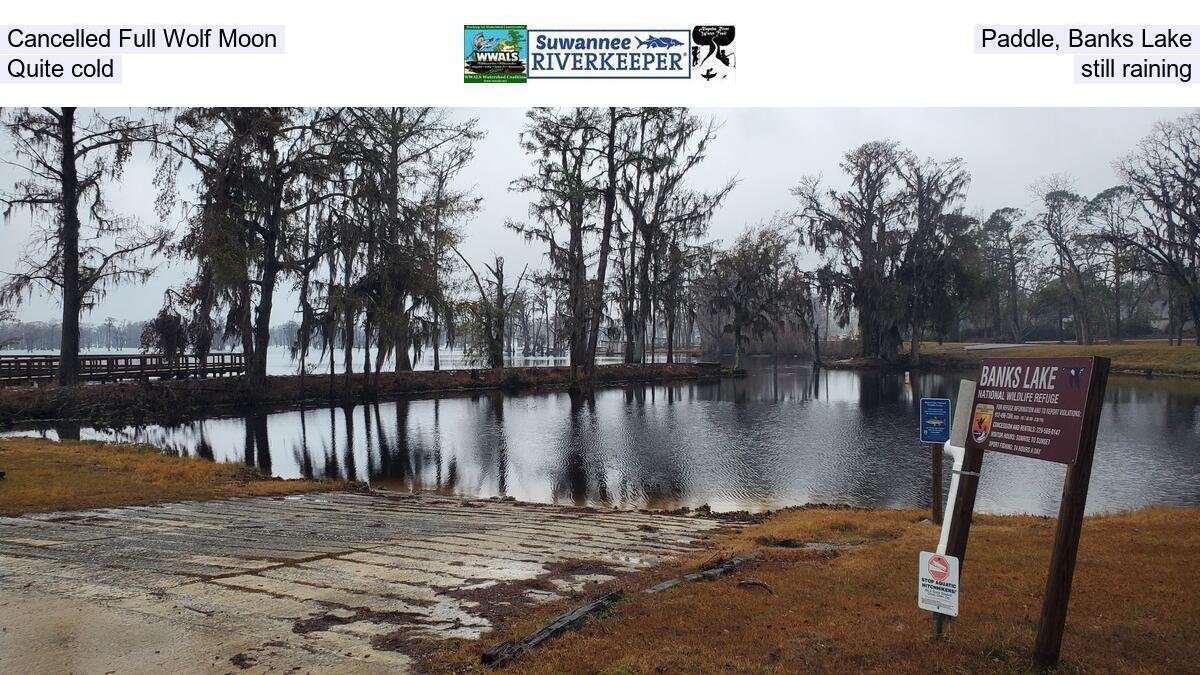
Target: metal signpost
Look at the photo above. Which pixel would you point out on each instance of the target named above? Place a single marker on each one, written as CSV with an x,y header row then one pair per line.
x,y
1043,408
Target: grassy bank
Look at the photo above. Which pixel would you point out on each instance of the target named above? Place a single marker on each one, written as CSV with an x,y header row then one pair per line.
x,y
171,400
1135,357
42,475
853,608
1157,358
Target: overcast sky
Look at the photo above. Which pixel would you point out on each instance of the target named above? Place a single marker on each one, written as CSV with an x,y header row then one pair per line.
x,y
768,149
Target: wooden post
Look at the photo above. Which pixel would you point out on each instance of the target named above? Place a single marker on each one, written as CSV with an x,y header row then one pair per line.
x,y
937,482
1070,523
964,506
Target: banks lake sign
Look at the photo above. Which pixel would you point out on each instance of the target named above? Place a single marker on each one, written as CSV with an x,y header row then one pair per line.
x,y
1046,409
1031,407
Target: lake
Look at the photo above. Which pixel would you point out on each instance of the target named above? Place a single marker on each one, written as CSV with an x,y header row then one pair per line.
x,y
782,436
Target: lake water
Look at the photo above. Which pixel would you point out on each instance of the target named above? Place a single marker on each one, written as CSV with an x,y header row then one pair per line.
x,y
785,435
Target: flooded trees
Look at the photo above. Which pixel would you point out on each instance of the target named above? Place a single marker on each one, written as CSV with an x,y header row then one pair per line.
x,y
564,194
360,194
7,339
664,146
260,170
404,160
444,206
612,160
609,187
68,157
487,318
755,287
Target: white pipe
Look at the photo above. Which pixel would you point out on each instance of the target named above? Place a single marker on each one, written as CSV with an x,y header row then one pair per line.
x,y
956,454
956,449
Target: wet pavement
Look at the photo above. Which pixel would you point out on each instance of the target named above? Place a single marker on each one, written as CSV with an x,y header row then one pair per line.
x,y
345,582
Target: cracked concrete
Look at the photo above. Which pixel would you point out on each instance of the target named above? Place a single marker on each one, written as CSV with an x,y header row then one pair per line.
x,y
310,583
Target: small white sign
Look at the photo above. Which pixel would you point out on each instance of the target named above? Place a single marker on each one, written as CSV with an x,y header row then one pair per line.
x,y
937,583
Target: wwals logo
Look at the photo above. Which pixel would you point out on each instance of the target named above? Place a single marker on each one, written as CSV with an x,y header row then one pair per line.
x,y
495,53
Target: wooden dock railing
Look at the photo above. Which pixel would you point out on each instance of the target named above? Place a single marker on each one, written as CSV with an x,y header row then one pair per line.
x,y
29,368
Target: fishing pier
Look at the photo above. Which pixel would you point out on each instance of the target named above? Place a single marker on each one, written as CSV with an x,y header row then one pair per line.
x,y
39,368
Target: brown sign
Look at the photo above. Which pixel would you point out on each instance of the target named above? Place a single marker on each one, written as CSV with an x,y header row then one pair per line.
x,y
1031,407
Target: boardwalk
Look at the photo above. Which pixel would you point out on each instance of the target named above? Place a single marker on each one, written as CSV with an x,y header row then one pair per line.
x,y
29,368
328,582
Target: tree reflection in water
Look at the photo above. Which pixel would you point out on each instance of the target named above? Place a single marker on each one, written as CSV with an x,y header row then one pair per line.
x,y
786,434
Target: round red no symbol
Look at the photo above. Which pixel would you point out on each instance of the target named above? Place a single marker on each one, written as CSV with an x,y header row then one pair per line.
x,y
939,568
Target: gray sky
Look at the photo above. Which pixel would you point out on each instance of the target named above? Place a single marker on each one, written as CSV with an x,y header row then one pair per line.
x,y
768,149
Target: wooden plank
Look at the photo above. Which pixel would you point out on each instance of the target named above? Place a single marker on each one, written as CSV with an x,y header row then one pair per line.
x,y
505,652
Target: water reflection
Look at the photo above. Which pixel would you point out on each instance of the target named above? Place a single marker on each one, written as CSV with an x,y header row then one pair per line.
x,y
784,435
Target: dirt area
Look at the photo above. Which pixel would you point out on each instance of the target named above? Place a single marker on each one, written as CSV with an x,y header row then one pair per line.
x,y
834,591
43,475
321,582
103,404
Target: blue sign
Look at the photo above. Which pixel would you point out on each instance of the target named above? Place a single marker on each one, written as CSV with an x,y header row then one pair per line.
x,y
935,420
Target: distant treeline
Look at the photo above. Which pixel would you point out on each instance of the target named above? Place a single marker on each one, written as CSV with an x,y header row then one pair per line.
x,y
112,334
47,335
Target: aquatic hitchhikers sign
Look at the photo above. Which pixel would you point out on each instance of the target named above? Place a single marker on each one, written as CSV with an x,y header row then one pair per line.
x,y
1031,407
937,583
1046,409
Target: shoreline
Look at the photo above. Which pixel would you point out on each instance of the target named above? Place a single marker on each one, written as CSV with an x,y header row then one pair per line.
x,y
836,586
179,400
674,612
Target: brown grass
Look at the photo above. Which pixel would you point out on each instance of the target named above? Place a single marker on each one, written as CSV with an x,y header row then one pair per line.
x,y
1136,597
1133,357
46,476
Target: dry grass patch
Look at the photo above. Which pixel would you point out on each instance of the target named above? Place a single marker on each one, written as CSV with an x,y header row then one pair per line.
x,y
1158,357
1137,593
43,475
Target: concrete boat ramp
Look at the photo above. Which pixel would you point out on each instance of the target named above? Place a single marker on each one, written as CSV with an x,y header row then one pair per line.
x,y
324,582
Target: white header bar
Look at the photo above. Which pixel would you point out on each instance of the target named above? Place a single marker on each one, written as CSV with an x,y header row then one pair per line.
x,y
854,53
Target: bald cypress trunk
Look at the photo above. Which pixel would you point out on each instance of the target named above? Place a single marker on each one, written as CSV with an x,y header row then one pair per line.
x,y
72,302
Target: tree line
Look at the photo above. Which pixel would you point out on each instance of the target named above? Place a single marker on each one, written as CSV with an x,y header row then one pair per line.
x,y
359,214
902,258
